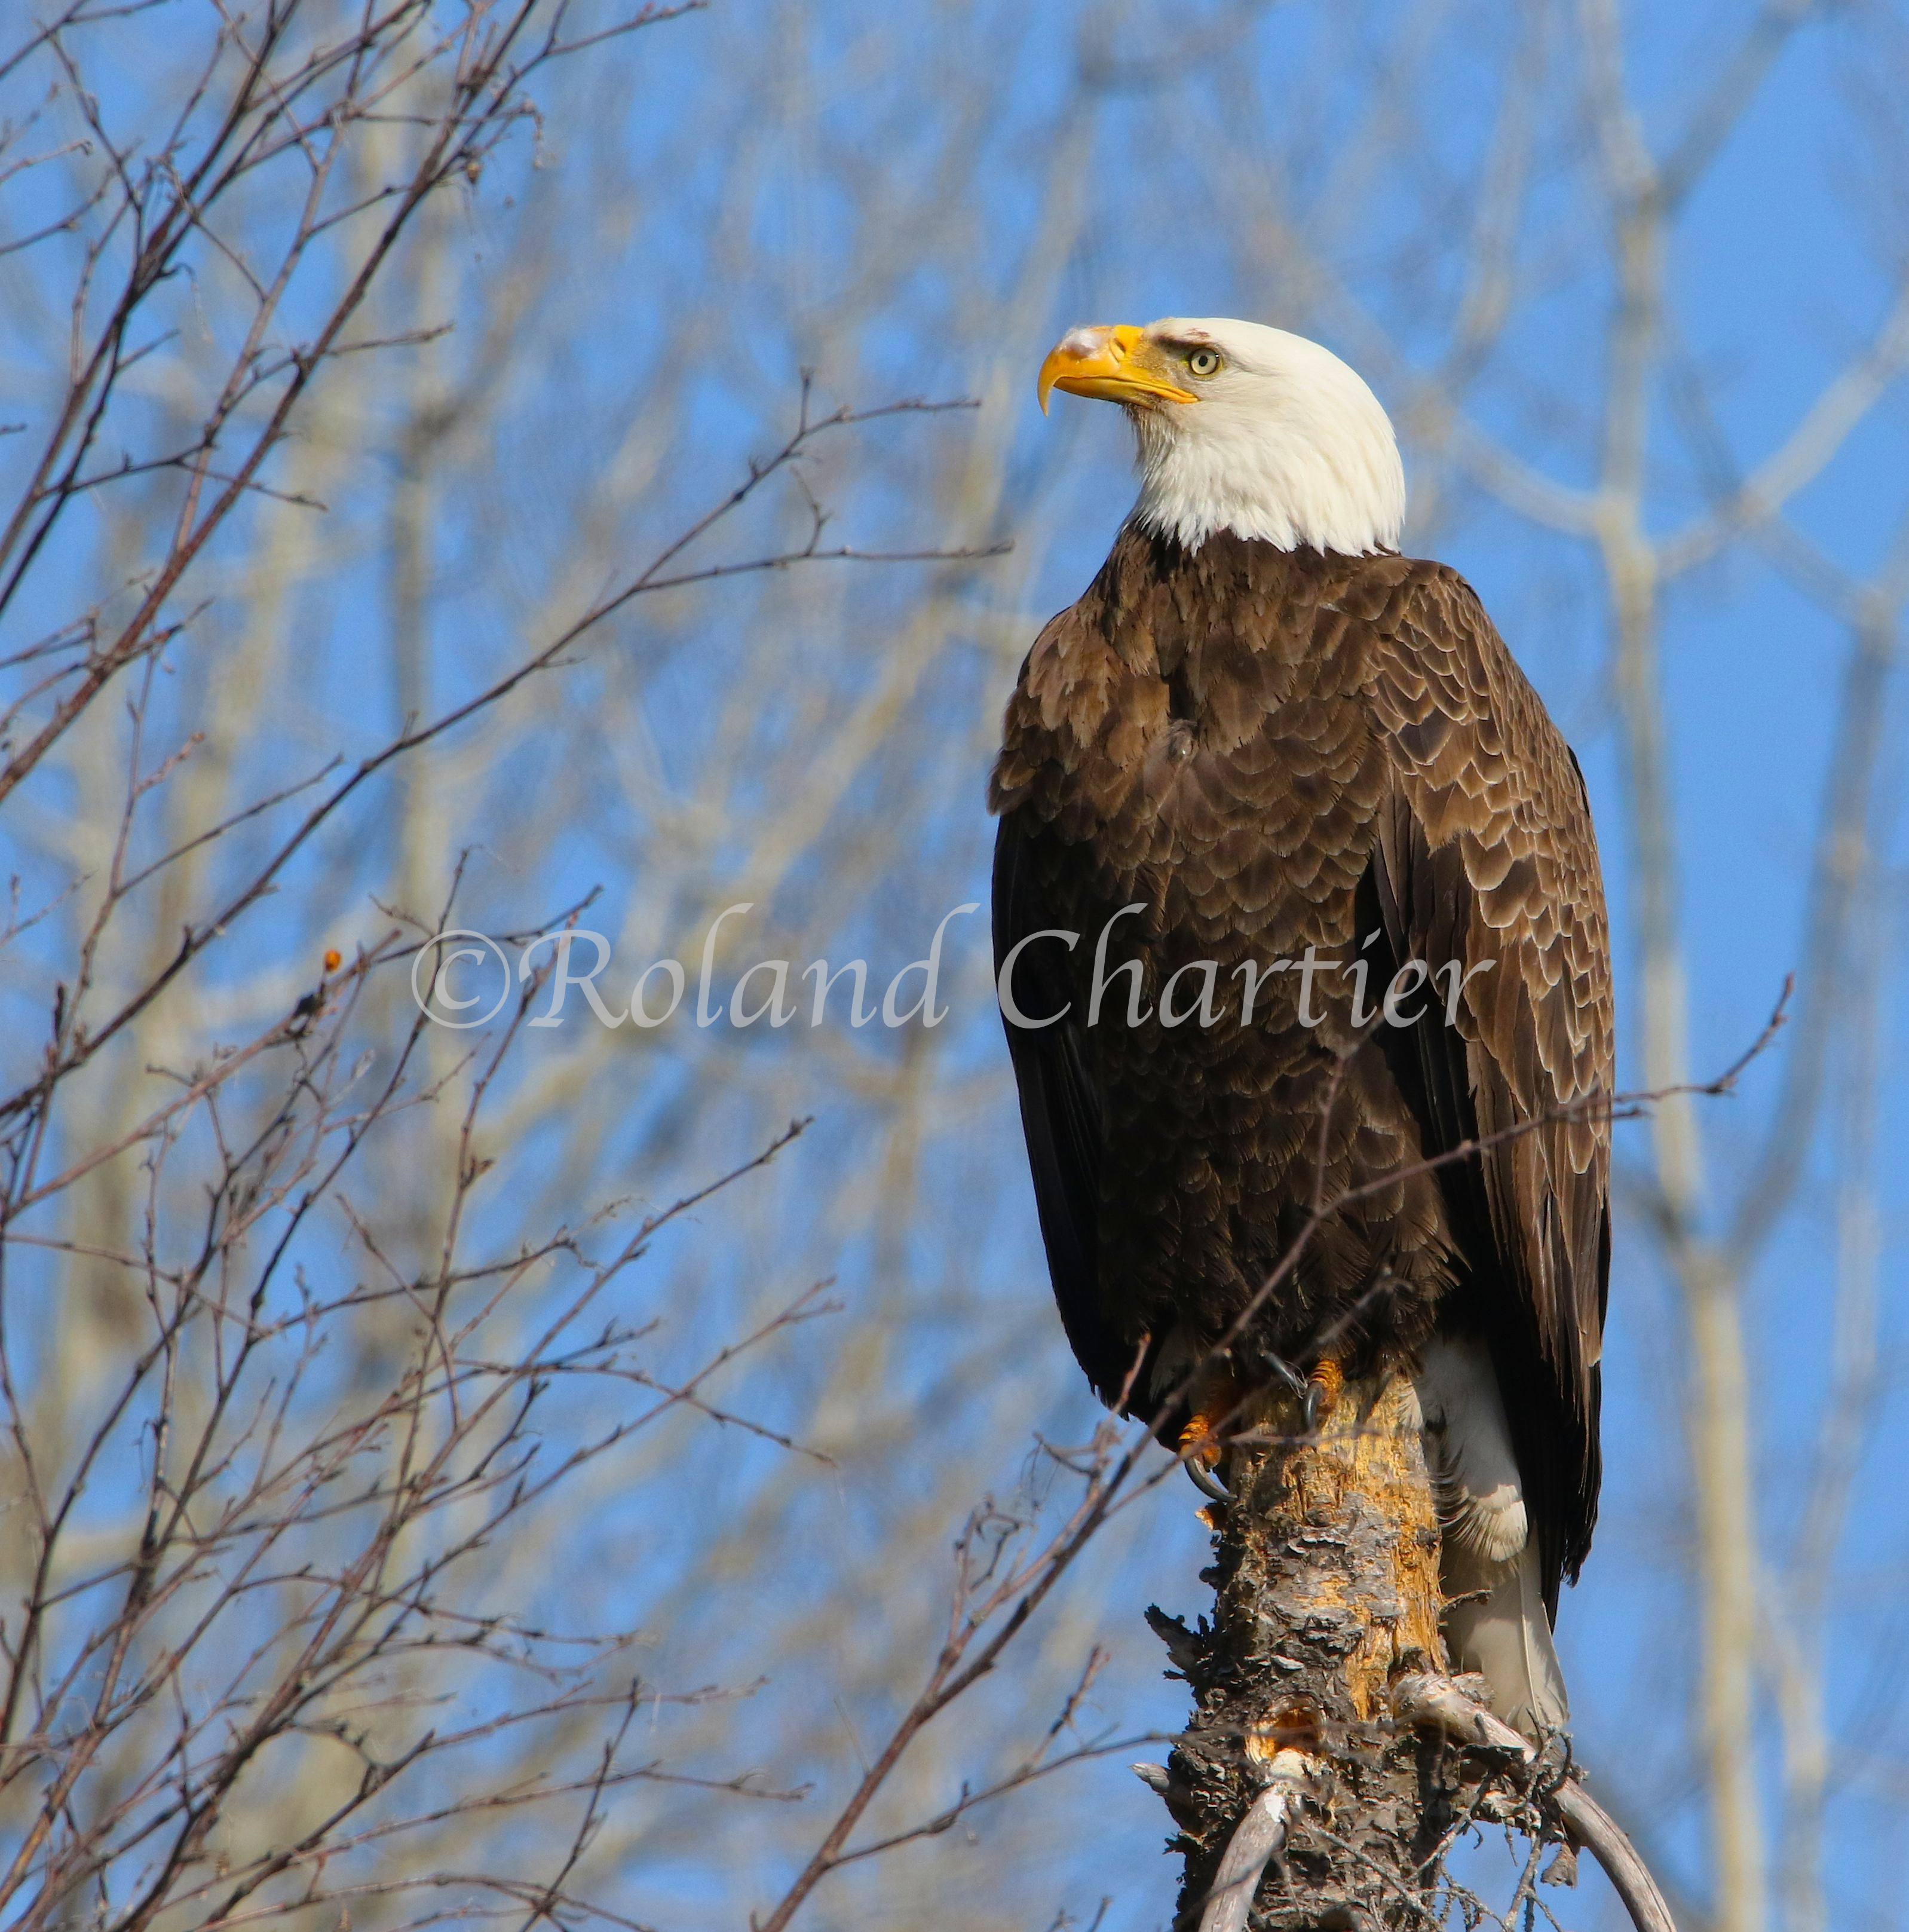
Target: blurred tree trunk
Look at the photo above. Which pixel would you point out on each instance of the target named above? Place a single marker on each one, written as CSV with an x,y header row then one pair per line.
x,y
1326,1584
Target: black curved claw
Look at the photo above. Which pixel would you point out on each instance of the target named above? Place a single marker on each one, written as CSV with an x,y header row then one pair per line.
x,y
1207,1482
1315,1400
1288,1374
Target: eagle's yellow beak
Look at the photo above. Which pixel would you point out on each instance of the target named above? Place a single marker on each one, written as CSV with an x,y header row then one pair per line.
x,y
1115,362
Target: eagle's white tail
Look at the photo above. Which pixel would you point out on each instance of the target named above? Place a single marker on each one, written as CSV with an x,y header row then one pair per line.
x,y
1489,1560
1504,1634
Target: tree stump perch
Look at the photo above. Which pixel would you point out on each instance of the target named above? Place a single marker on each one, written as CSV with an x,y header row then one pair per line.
x,y
1326,1586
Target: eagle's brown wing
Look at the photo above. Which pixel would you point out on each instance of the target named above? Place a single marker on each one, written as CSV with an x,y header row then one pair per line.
x,y
1485,852
1060,1109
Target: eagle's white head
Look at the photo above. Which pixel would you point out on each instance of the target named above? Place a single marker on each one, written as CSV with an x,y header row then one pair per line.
x,y
1245,428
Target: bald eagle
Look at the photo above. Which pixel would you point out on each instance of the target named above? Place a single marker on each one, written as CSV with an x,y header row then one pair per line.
x,y
1295,890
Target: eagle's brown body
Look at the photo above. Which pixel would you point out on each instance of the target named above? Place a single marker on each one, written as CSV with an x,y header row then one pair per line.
x,y
1267,749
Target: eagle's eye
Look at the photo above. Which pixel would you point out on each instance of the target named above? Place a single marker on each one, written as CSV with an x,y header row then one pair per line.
x,y
1204,361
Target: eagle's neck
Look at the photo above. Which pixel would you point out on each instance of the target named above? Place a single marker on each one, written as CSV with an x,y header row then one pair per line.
x,y
1311,475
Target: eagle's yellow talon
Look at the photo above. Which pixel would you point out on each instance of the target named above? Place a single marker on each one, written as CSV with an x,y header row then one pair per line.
x,y
1201,1450
1323,1386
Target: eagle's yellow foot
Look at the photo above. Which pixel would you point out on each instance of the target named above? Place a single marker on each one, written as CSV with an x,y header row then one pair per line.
x,y
1201,1450
1200,1446
1322,1387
